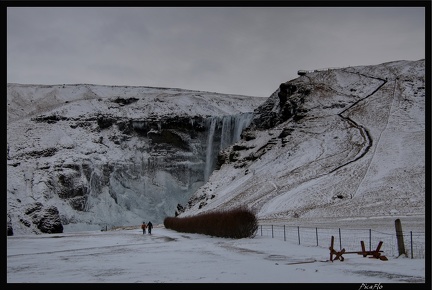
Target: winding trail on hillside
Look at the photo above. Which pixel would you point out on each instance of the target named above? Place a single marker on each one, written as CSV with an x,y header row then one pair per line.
x,y
396,84
275,189
363,131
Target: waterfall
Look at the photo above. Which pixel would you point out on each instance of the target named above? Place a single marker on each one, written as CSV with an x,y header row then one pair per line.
x,y
241,122
209,152
232,128
229,130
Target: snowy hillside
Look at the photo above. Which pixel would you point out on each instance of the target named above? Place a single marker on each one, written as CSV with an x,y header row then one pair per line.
x,y
333,144
91,156
337,143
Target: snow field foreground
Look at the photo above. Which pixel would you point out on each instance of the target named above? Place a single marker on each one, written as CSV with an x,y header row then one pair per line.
x,y
166,256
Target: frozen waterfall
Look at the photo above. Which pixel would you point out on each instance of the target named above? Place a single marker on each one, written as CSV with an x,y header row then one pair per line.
x,y
152,180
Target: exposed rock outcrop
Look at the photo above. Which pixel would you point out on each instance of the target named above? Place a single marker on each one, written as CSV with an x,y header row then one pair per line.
x,y
45,219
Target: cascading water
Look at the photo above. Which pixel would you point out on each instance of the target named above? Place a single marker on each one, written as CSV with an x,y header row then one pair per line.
x,y
209,152
227,132
227,129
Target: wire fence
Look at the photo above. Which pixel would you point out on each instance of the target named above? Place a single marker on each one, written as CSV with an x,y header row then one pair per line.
x,y
349,239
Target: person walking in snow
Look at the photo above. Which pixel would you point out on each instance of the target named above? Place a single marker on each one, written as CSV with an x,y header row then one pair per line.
x,y
150,226
143,227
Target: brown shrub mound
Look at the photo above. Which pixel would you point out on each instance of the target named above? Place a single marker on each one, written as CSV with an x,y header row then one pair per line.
x,y
236,224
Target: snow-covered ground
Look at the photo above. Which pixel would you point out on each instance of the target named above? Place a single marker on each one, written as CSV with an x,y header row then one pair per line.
x,y
166,256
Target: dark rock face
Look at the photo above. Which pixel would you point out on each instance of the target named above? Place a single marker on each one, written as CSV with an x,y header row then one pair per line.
x,y
168,137
125,101
46,219
9,230
49,119
68,185
274,111
49,221
9,226
285,132
284,104
285,90
105,122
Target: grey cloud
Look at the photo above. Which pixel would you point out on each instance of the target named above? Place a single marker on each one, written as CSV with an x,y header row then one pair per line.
x,y
247,50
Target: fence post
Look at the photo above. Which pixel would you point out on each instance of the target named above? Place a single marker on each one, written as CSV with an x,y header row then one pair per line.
x,y
272,232
316,232
340,239
411,246
399,237
298,231
370,240
284,234
261,230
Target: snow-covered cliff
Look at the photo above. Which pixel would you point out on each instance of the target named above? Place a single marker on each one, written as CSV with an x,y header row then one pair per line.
x,y
331,144
109,156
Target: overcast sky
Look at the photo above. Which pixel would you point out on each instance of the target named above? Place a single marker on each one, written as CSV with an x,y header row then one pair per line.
x,y
245,50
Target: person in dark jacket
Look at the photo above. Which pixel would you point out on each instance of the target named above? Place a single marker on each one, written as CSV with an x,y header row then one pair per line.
x,y
150,226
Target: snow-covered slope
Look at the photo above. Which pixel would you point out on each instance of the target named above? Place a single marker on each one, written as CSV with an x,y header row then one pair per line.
x,y
330,145
85,100
337,143
91,156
